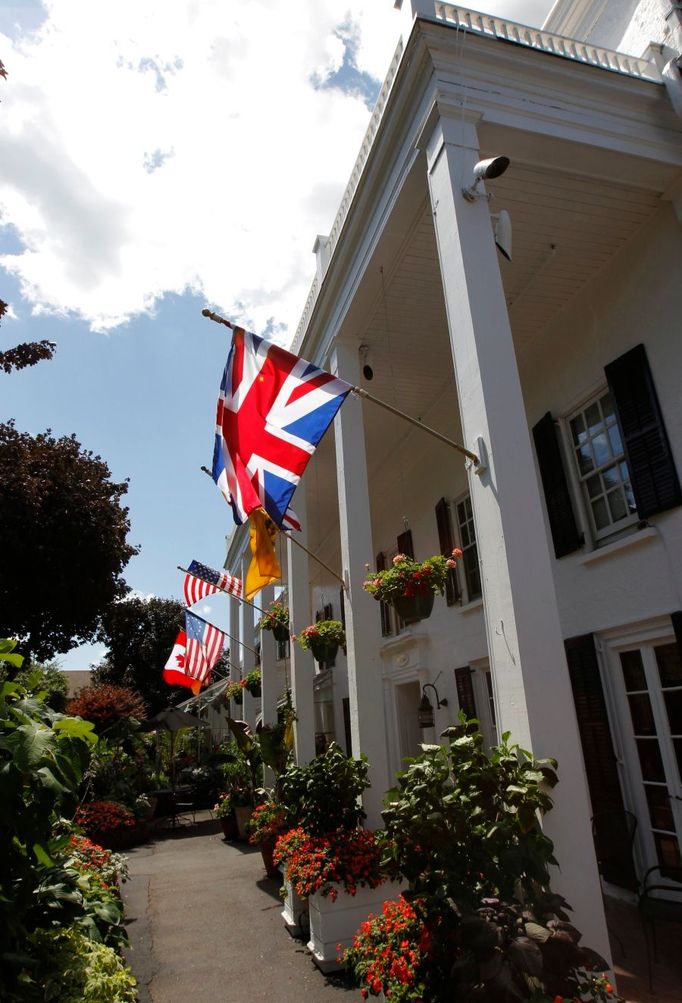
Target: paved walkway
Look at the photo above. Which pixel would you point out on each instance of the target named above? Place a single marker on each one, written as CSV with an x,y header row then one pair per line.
x,y
205,926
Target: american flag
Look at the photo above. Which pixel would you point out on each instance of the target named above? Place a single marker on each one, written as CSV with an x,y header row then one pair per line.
x,y
273,409
204,647
202,581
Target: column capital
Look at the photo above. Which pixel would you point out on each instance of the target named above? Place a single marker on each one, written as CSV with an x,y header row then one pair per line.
x,y
449,124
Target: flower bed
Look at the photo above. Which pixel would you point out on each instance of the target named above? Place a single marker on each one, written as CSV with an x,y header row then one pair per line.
x,y
109,824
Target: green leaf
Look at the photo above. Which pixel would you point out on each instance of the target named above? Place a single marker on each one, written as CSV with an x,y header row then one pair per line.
x,y
31,742
42,856
77,728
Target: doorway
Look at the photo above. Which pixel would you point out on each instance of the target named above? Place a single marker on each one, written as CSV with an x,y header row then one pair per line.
x,y
407,697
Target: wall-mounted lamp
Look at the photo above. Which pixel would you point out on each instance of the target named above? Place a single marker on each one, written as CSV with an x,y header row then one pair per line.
x,y
367,370
425,714
485,170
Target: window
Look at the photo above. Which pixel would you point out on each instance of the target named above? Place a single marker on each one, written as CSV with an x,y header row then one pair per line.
x,y
602,467
446,543
467,536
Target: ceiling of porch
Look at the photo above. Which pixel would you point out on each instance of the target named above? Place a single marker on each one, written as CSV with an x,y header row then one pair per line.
x,y
566,229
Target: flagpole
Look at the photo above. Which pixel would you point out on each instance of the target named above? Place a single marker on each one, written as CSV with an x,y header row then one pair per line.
x,y
298,544
241,598
361,392
290,536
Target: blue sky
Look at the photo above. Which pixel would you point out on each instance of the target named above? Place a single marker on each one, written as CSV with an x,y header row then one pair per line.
x,y
155,158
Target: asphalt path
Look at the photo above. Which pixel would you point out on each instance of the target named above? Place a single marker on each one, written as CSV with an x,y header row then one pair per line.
x,y
205,926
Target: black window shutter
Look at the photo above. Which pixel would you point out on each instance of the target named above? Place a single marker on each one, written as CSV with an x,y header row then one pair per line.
x,y
405,544
465,691
562,524
446,542
655,483
600,760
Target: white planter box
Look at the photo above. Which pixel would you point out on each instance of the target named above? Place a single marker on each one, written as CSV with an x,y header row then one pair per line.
x,y
334,924
294,908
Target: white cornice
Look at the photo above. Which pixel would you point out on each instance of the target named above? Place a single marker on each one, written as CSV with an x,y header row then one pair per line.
x,y
574,18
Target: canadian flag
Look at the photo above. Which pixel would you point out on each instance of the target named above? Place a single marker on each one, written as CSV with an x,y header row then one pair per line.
x,y
175,673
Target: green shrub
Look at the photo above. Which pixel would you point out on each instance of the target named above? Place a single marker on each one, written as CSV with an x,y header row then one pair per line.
x,y
70,968
324,795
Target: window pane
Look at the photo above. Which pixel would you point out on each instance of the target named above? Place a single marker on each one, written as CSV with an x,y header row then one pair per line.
x,y
668,850
611,477
600,513
601,449
640,711
669,664
673,704
593,418
594,487
633,670
585,461
467,507
607,409
465,535
461,514
615,440
660,811
677,743
650,759
617,505
578,430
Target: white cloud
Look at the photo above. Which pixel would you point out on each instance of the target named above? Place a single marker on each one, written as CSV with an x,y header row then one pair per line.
x,y
152,147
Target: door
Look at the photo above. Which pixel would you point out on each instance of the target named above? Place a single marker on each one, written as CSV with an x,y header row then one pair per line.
x,y
649,680
410,736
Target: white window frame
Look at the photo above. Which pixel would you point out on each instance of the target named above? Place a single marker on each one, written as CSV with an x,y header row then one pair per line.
x,y
578,481
463,581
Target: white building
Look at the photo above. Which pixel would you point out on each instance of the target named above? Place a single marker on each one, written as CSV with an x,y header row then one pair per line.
x,y
561,369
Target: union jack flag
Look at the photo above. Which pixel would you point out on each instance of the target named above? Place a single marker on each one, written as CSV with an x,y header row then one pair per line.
x,y
273,409
202,581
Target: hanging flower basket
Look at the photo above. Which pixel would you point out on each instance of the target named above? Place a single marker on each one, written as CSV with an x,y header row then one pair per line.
x,y
252,683
412,609
322,639
234,692
276,619
410,586
323,652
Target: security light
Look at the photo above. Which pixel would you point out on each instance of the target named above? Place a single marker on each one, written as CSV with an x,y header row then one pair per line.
x,y
485,170
367,370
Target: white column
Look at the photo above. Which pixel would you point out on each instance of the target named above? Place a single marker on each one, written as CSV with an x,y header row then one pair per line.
x,y
532,687
235,650
246,635
302,664
365,683
269,683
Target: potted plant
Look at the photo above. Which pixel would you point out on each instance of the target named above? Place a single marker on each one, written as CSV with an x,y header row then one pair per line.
x,y
410,586
276,619
252,682
463,828
267,823
389,952
322,639
235,692
224,810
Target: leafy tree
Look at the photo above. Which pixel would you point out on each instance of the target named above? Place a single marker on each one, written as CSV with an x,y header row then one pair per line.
x,y
106,705
48,680
139,635
62,538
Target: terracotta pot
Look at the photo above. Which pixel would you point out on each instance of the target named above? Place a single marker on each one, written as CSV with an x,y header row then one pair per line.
x,y
281,633
267,849
243,814
229,826
322,652
412,609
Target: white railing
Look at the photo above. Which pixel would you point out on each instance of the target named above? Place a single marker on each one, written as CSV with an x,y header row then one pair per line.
x,y
546,41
